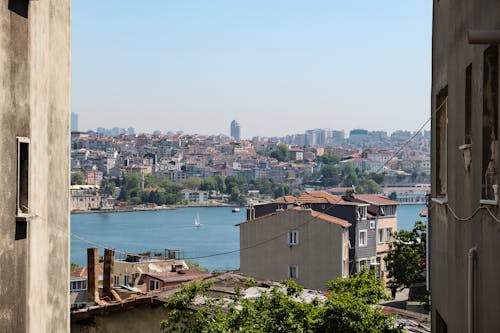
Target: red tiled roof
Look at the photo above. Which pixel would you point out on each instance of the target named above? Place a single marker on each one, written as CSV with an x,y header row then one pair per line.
x,y
375,199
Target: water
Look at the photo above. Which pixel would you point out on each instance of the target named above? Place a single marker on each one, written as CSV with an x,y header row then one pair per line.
x,y
166,229
174,229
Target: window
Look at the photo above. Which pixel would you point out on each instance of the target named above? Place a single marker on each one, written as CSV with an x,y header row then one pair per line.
x,y
361,213
490,122
372,224
116,280
388,234
362,238
125,279
381,236
363,264
441,141
22,176
468,105
154,284
293,272
293,238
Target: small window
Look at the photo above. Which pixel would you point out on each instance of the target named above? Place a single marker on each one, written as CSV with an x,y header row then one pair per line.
x,y
293,272
362,238
116,280
441,142
468,105
380,236
372,224
293,238
23,153
154,284
388,234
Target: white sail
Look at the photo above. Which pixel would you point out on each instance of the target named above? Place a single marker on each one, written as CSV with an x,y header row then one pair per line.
x,y
197,221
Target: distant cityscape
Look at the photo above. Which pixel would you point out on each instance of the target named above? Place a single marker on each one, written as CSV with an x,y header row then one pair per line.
x,y
250,170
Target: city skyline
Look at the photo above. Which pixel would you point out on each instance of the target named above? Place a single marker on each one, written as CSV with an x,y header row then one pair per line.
x,y
280,70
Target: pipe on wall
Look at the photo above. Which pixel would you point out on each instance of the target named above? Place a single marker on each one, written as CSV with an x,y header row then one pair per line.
x,y
487,36
471,289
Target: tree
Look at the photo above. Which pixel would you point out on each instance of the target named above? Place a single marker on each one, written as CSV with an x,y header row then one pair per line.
x,y
393,195
192,183
406,257
281,154
363,285
77,178
280,311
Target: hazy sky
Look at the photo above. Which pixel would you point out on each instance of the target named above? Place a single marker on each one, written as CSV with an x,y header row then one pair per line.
x,y
276,66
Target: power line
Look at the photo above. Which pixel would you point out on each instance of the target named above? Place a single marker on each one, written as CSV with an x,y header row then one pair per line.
x,y
284,233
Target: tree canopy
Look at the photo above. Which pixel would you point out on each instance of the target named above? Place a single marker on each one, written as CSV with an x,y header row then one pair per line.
x,y
348,309
406,257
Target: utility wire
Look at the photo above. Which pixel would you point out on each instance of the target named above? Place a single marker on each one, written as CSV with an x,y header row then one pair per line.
x,y
284,233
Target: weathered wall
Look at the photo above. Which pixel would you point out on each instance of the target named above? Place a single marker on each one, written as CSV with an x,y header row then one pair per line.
x,y
144,319
450,240
318,254
35,103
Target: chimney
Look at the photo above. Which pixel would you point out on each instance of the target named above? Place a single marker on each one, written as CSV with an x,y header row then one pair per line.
x,y
107,282
92,275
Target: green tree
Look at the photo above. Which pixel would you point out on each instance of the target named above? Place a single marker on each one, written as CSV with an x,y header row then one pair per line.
x,y
330,175
192,183
77,178
280,311
208,184
393,196
281,154
363,285
406,257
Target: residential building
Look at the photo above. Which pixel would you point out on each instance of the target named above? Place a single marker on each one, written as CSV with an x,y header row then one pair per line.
x,y
34,149
382,214
362,235
464,238
306,245
194,195
85,197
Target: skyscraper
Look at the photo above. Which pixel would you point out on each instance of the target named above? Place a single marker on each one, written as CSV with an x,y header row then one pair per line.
x,y
74,122
235,130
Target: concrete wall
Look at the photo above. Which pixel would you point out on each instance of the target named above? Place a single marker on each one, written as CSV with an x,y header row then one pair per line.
x,y
450,240
319,254
35,103
146,318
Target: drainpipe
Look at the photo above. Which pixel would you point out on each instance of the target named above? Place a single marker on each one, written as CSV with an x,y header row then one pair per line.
x,y
486,36
471,289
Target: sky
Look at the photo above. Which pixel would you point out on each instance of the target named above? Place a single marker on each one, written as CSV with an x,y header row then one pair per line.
x,y
276,66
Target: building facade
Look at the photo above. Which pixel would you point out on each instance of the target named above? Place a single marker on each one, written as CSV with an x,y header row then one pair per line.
x,y
312,247
464,227
34,149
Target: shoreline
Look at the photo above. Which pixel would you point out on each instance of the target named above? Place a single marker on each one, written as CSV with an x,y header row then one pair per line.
x,y
143,209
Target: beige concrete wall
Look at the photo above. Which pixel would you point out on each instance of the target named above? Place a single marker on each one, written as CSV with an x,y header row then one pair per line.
x,y
35,103
382,249
450,240
319,255
145,319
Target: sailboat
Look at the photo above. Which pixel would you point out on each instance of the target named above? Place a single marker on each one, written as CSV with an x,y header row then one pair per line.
x,y
197,223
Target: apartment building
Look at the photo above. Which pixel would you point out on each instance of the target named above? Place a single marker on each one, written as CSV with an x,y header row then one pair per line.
x,y
34,149
464,227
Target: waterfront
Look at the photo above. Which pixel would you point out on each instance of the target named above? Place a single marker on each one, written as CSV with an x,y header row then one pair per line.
x,y
175,229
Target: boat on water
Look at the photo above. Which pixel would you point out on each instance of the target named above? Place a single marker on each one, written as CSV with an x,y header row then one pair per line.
x,y
197,223
423,213
236,210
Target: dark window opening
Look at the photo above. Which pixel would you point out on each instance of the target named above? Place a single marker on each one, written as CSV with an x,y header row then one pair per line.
x,y
22,176
441,141
20,7
441,326
490,122
468,105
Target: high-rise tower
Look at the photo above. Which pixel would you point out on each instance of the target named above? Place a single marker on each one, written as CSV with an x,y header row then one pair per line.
x,y
235,130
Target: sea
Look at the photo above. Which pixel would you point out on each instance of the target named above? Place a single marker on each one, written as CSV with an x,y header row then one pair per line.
x,y
214,245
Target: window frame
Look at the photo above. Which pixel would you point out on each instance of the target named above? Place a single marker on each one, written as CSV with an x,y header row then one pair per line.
x,y
292,268
381,232
23,176
365,243
293,238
